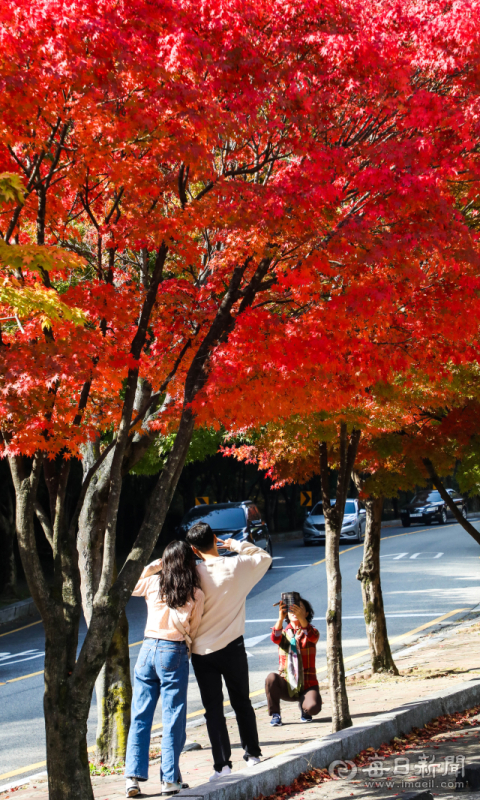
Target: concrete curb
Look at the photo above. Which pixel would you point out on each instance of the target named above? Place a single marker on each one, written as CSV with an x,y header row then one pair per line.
x,y
17,611
344,745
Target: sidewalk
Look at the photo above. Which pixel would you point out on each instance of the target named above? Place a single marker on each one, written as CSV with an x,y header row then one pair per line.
x,y
449,657
435,762
18,611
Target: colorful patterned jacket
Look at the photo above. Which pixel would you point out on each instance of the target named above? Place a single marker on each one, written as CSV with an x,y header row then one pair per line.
x,y
308,645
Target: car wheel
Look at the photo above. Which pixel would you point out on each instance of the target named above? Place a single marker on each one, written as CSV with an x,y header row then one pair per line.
x,y
406,523
443,516
464,512
307,544
269,550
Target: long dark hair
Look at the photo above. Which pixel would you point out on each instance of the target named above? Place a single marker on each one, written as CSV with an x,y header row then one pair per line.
x,y
178,576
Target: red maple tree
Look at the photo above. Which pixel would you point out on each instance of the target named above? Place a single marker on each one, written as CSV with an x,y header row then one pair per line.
x,y
213,165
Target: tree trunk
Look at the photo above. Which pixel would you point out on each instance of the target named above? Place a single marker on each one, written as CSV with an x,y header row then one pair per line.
x,y
8,566
66,700
333,524
69,681
70,676
66,728
369,575
336,669
113,686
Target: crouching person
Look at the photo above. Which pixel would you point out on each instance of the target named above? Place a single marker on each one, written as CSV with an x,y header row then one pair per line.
x,y
297,676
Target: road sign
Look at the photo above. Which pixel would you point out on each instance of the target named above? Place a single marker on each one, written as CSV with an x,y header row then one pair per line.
x,y
305,498
201,501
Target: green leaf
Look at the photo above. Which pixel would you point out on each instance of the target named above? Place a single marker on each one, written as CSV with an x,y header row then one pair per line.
x,y
11,189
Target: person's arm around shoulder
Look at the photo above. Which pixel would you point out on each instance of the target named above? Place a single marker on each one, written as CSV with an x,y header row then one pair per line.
x,y
143,582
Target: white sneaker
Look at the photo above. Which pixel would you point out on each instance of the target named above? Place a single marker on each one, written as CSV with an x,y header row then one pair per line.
x,y
167,788
252,761
224,771
131,787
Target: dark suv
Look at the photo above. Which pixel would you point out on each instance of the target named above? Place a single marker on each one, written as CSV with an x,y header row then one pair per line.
x,y
428,506
240,521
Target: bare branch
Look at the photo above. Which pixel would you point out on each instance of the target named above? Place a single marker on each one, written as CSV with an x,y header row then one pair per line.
x,y
437,482
44,522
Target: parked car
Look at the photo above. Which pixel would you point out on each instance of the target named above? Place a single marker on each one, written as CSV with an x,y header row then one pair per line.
x,y
428,506
240,521
353,527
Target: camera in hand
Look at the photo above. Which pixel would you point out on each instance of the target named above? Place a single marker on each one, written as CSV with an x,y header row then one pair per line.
x,y
290,599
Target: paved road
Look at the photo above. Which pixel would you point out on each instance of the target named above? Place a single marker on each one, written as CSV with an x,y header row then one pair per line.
x,y
426,574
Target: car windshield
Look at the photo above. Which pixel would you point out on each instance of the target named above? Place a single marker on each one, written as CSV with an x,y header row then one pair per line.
x,y
219,518
349,508
427,497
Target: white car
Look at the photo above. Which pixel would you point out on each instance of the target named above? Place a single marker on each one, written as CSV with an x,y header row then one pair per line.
x,y
353,527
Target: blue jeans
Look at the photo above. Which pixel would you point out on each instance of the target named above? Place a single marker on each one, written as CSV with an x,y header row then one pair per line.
x,y
161,670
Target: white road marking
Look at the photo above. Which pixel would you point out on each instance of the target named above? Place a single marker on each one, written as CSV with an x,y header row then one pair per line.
x,y
356,616
4,656
21,660
388,616
469,595
427,554
255,640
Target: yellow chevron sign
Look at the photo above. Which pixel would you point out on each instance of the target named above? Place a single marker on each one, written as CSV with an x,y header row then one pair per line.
x,y
305,498
201,501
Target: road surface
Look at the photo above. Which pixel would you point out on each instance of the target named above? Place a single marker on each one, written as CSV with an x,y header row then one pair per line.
x,y
426,574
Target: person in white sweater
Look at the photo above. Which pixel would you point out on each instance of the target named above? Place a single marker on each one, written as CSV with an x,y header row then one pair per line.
x,y
218,649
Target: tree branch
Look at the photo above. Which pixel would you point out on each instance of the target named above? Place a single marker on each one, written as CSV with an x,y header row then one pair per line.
x,y
82,402
44,522
138,342
26,485
115,206
436,480
182,184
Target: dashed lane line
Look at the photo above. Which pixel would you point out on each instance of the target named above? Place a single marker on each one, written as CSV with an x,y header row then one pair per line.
x,y
385,538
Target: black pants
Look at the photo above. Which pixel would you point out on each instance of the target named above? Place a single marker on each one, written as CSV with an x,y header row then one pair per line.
x,y
231,664
276,689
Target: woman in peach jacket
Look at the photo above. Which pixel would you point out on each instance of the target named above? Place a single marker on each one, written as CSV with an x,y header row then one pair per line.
x,y
175,600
